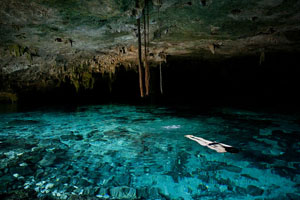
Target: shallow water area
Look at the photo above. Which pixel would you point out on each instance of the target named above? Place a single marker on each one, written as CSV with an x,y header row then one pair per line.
x,y
140,152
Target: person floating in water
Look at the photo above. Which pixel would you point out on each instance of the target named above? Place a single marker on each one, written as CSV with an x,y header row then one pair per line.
x,y
217,146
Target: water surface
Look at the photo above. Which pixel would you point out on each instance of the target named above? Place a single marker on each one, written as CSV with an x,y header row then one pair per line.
x,y
140,152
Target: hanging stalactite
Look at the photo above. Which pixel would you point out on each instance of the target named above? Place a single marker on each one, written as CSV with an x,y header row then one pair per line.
x,y
147,70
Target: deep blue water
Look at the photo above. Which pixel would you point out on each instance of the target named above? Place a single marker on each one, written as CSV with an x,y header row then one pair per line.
x,y
131,152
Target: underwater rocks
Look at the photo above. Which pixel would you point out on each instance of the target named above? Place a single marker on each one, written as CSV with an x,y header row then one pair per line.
x,y
232,168
123,192
6,180
254,191
90,156
48,160
72,136
21,194
19,165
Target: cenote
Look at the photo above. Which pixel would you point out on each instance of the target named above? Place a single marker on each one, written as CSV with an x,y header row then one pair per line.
x,y
149,100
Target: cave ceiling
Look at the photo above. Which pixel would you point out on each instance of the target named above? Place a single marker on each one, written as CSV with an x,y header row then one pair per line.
x,y
57,32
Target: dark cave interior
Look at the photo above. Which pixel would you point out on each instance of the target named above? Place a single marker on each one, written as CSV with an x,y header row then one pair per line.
x,y
241,81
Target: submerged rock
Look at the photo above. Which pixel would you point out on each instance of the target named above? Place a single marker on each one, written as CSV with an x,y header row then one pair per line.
x,y
5,181
254,191
49,186
23,171
293,196
103,193
71,137
240,190
123,192
232,168
92,133
149,193
48,160
39,173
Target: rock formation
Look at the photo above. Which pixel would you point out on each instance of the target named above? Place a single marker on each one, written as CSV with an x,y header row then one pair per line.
x,y
76,45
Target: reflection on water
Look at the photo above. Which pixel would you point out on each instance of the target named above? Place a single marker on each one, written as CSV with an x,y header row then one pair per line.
x,y
140,152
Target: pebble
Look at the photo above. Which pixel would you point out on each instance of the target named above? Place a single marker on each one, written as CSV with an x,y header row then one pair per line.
x,y
51,149
37,189
34,148
23,165
106,196
64,196
10,154
40,183
81,192
49,186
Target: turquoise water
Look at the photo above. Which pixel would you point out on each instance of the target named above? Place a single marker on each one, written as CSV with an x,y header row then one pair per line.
x,y
140,152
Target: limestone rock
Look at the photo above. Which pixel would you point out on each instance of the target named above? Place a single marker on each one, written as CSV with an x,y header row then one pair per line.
x,y
123,192
254,191
47,160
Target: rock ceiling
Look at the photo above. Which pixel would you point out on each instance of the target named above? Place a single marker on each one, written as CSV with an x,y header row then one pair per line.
x,y
40,33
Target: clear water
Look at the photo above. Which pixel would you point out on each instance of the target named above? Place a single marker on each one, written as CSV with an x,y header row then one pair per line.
x,y
127,152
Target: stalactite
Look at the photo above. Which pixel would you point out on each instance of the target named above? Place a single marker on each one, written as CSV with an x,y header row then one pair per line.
x,y
147,71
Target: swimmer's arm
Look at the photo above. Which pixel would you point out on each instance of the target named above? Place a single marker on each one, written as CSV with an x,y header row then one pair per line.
x,y
201,141
197,139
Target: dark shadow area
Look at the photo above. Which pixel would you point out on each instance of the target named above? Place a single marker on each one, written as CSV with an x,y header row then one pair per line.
x,y
189,80
239,81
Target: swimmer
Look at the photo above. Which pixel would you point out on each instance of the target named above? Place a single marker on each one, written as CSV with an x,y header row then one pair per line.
x,y
217,146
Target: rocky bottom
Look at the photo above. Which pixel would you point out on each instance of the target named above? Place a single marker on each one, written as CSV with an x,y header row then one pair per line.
x,y
140,152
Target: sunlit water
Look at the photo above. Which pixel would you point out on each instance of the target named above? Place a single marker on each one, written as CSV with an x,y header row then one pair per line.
x,y
140,152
